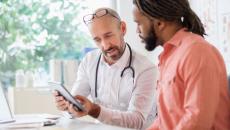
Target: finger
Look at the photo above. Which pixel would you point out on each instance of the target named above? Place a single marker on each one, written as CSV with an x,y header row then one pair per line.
x,y
74,111
55,93
61,103
62,106
59,98
70,108
82,99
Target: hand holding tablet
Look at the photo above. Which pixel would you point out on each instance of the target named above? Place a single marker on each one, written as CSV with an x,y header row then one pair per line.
x,y
66,94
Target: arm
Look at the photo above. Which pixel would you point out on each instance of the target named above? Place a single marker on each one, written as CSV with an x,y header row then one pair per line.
x,y
140,105
201,74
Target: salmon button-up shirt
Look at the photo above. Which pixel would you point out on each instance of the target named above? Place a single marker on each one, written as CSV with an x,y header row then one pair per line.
x,y
192,87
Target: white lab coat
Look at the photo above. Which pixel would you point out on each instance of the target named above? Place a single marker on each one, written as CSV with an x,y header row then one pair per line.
x,y
125,101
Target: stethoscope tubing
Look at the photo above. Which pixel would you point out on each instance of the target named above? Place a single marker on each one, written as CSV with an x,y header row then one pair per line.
x,y
122,72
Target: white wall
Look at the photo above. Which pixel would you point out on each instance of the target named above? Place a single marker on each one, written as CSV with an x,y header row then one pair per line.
x,y
124,8
215,15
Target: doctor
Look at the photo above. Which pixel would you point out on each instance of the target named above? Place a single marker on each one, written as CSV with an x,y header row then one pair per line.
x,y
120,81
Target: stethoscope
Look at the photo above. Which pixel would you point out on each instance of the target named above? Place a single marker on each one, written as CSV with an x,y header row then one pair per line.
x,y
122,72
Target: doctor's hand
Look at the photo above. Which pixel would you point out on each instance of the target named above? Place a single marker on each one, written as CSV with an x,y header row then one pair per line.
x,y
60,102
89,108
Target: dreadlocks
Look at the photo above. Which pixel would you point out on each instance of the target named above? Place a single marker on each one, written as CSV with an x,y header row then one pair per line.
x,y
172,10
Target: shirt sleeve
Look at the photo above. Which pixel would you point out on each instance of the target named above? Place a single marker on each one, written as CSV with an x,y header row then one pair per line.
x,y
81,85
140,105
202,75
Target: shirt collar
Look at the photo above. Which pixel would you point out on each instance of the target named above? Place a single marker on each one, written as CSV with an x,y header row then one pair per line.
x,y
176,39
121,62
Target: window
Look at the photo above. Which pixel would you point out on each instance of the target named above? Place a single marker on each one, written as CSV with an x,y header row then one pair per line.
x,y
34,31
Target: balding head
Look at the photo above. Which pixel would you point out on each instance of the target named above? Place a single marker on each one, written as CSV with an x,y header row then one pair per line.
x,y
111,12
107,30
104,15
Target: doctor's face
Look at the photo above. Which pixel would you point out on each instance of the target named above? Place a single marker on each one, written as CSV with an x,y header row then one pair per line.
x,y
108,34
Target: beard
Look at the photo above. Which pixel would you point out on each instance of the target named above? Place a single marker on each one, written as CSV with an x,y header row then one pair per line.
x,y
116,56
150,41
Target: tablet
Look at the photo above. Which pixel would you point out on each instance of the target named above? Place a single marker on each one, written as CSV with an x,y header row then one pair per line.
x,y
66,94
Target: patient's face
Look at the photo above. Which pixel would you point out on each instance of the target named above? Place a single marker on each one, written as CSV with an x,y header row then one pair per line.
x,y
145,30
